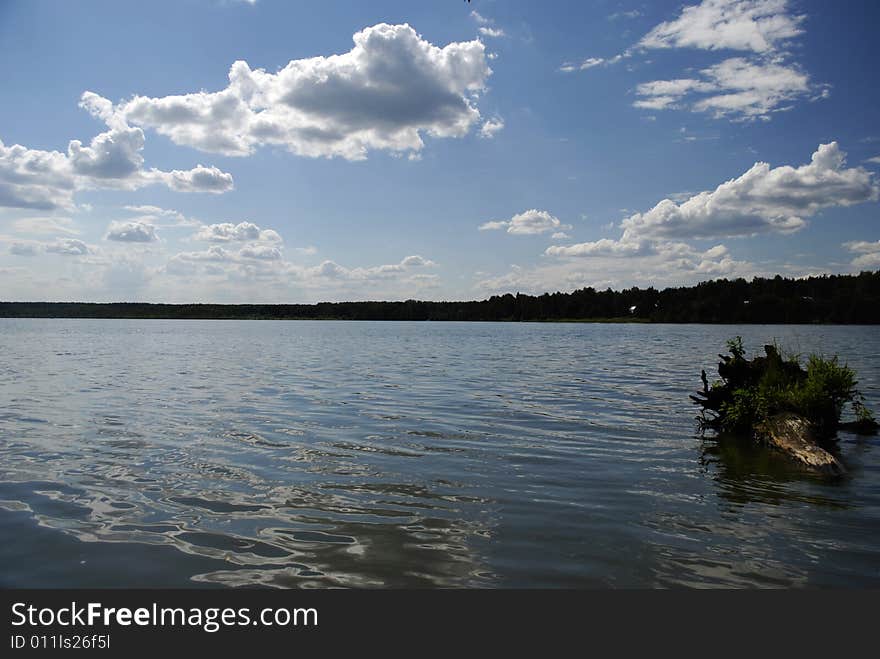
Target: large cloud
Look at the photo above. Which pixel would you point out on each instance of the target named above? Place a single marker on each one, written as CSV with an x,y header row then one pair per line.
x,y
382,94
47,180
764,199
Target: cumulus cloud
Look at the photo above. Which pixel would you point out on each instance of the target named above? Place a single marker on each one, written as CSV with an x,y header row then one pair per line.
x,y
383,94
243,231
603,247
47,180
131,232
528,222
763,199
656,245
260,252
759,26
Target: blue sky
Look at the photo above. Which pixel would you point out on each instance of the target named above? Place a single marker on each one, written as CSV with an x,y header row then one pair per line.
x,y
228,151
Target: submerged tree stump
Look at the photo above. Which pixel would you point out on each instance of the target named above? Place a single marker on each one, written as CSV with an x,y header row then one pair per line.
x,y
797,437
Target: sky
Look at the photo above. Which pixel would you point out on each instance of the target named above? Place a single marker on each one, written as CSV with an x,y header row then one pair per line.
x,y
285,152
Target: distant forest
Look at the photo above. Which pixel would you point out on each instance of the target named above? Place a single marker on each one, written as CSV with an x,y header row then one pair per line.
x,y
824,299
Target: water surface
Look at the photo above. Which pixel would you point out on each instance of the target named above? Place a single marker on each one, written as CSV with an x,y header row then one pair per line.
x,y
359,454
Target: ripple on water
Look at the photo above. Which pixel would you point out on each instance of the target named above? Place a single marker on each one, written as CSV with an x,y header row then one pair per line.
x,y
302,455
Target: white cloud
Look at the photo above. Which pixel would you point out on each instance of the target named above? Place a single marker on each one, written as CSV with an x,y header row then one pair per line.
x,y
45,226
868,253
528,222
48,180
603,247
669,264
63,246
736,88
655,245
260,252
160,217
874,161
590,62
493,32
131,232
760,26
391,87
491,126
243,231
634,13
198,179
479,18
763,199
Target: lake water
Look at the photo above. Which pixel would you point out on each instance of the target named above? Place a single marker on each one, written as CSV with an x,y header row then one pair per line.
x,y
316,454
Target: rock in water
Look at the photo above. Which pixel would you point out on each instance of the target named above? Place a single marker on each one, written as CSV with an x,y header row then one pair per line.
x,y
796,436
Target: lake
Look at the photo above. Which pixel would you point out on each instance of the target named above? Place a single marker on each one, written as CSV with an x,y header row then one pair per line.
x,y
390,454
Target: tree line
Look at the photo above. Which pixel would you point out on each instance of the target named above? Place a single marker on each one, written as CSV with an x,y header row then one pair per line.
x,y
848,299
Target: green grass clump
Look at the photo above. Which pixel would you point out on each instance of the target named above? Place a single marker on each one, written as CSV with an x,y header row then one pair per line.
x,y
751,391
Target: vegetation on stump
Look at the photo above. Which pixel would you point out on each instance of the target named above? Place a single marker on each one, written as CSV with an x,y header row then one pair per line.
x,y
775,399
750,392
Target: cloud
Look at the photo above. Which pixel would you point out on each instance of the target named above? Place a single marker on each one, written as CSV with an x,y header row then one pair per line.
x,y
490,127
48,180
760,26
243,231
160,217
763,199
131,232
67,246
736,88
260,252
655,245
603,247
265,263
667,265
198,179
45,225
493,32
590,62
383,94
482,20
868,253
635,13
528,222
63,246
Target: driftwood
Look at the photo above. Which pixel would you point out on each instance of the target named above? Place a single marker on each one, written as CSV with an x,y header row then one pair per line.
x,y
795,436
